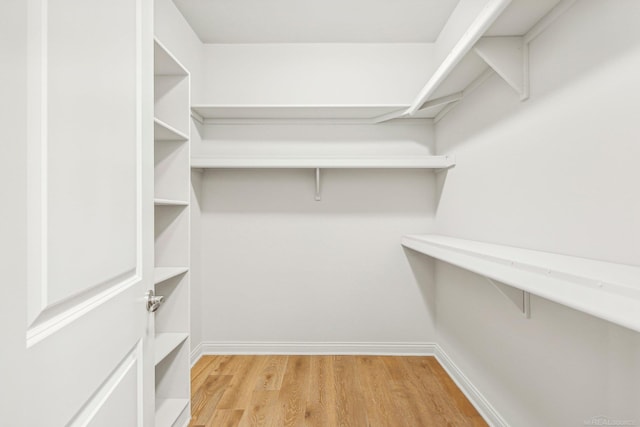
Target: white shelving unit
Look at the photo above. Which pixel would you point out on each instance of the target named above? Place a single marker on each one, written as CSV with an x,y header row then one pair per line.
x,y
171,199
602,289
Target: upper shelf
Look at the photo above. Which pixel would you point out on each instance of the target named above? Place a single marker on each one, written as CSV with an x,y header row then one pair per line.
x,y
602,289
416,162
471,57
243,113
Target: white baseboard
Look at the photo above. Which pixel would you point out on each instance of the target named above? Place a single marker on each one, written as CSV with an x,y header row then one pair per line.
x,y
477,399
488,412
346,348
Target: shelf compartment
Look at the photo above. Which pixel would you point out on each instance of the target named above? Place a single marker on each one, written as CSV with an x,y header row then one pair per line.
x,y
171,235
162,274
173,316
172,374
169,410
165,132
164,63
171,171
416,162
602,289
166,342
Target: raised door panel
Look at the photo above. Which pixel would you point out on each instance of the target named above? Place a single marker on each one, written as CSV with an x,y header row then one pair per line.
x,y
88,149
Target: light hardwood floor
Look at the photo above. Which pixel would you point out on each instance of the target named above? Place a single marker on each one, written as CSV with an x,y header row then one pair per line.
x,y
326,391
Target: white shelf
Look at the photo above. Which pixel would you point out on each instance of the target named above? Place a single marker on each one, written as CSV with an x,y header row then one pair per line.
x,y
602,289
164,63
166,342
168,411
164,132
161,274
349,114
416,162
169,202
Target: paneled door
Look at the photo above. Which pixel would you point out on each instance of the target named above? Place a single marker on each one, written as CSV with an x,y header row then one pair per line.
x,y
88,335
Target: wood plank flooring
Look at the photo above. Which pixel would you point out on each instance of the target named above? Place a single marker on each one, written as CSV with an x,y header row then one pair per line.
x,y
326,391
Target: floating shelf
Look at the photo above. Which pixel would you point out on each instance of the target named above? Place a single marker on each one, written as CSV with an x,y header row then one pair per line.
x,y
161,274
169,202
166,342
169,410
416,162
164,63
164,132
602,289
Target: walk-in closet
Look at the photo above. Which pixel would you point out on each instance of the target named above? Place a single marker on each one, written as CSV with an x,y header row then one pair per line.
x,y
320,213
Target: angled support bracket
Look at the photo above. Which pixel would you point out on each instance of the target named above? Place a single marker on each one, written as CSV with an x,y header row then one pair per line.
x,y
443,100
521,299
318,198
509,58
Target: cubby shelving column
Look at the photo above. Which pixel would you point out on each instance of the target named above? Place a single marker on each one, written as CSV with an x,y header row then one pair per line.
x,y
171,225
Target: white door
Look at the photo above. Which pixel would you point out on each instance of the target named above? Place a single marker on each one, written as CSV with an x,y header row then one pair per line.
x,y
86,339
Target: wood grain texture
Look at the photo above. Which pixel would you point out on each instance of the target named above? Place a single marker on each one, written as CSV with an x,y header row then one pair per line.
x,y
326,391
321,400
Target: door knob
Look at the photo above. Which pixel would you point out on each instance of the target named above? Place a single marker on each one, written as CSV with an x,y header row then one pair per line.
x,y
153,301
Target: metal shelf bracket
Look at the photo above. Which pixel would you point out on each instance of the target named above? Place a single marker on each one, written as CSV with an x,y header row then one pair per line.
x,y
318,198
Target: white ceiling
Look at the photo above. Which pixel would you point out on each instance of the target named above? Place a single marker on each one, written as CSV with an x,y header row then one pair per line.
x,y
316,21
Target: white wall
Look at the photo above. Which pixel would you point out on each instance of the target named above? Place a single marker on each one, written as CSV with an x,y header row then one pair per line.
x,y
409,138
281,267
298,74
557,173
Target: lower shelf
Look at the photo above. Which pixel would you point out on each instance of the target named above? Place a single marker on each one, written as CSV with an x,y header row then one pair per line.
x,y
602,289
169,410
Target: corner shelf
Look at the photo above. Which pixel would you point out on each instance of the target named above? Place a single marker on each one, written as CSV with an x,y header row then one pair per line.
x,y
602,289
161,274
416,162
